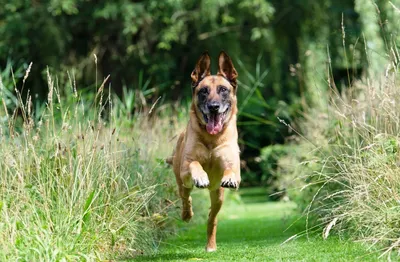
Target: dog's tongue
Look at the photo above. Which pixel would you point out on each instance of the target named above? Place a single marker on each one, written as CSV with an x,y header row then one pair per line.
x,y
214,125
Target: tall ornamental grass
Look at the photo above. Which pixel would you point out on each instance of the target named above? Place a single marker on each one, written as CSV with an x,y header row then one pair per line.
x,y
81,178
344,168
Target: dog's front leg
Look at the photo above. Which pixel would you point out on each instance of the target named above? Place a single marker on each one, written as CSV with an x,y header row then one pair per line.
x,y
194,174
230,178
229,163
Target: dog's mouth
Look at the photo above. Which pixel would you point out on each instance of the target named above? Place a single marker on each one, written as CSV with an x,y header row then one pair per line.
x,y
215,121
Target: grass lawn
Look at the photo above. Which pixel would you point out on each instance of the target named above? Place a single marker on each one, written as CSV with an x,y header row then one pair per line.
x,y
255,231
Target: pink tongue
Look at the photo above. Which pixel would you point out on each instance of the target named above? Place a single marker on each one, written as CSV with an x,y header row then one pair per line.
x,y
214,125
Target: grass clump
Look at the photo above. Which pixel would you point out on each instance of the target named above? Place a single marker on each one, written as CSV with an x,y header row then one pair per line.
x,y
80,178
345,169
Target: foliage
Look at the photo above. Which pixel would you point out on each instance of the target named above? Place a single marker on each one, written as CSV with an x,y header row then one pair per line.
x,y
269,169
355,43
159,42
344,170
80,178
292,56
123,34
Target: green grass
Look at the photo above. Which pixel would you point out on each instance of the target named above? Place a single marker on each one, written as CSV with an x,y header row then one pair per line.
x,y
255,231
344,169
82,177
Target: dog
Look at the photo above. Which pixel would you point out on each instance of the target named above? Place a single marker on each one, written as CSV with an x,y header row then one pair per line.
x,y
207,152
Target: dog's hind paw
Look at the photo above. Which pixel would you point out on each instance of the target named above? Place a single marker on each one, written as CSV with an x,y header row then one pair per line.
x,y
229,182
211,249
187,214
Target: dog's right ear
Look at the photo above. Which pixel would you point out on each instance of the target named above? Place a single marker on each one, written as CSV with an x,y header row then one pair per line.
x,y
201,70
226,69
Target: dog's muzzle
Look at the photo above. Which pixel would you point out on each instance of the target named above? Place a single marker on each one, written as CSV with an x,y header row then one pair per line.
x,y
214,118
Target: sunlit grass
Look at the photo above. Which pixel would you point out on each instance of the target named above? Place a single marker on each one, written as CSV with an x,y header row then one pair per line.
x,y
345,168
83,178
258,231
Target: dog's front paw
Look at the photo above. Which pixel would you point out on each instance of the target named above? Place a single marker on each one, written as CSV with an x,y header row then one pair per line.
x,y
229,181
201,182
200,179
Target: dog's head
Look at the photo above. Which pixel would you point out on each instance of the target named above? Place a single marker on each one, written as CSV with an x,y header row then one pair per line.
x,y
214,96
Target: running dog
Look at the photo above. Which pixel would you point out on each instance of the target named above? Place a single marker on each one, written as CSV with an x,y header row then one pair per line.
x,y
207,152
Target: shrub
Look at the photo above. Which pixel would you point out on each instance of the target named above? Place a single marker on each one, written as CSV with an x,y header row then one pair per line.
x,y
268,162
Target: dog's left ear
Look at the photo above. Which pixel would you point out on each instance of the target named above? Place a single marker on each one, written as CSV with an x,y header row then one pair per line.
x,y
201,70
226,69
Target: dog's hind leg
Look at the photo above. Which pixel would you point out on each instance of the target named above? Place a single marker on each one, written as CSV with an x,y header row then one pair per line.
x,y
187,211
184,193
217,198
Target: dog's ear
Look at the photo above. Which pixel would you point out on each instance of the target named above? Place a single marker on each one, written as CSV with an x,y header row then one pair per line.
x,y
202,69
226,69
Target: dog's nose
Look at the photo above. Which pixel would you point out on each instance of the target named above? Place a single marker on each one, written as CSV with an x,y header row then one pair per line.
x,y
213,106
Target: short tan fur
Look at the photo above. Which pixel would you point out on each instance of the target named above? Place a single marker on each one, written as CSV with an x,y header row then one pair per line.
x,y
207,152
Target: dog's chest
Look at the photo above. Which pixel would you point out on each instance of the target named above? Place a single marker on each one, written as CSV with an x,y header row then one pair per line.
x,y
213,163
212,166
214,172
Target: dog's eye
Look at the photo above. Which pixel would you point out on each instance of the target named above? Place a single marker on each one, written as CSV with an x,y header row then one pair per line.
x,y
222,89
203,90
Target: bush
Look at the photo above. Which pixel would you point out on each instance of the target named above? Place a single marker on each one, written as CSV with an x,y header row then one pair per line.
x,y
269,170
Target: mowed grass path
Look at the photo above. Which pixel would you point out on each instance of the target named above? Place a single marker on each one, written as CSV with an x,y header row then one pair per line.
x,y
255,231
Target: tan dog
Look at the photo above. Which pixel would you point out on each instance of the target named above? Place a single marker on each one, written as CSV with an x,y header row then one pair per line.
x,y
207,153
